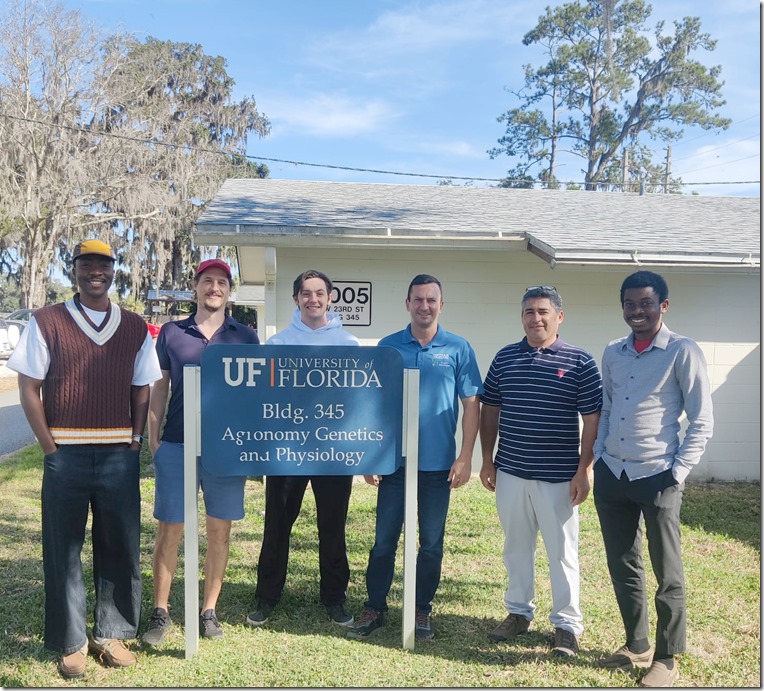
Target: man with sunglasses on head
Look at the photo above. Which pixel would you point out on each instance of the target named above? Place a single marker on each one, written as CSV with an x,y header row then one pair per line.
x,y
535,391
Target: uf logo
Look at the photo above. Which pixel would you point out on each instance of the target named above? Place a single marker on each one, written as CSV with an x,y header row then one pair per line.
x,y
245,368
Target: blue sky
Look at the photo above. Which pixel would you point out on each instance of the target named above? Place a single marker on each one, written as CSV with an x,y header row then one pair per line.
x,y
416,87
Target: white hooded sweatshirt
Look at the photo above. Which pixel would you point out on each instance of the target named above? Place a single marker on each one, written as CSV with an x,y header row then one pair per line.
x,y
299,333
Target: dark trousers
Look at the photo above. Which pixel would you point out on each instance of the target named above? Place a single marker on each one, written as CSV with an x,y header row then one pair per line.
x,y
620,504
283,499
433,495
103,479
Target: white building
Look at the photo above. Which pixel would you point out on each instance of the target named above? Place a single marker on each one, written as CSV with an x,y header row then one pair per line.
x,y
486,245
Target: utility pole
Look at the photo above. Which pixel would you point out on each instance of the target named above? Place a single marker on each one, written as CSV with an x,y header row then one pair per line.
x,y
625,173
668,171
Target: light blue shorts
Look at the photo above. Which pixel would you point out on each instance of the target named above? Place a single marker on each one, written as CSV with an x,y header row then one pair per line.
x,y
223,496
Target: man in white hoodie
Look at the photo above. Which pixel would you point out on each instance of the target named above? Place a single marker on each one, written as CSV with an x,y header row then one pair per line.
x,y
312,324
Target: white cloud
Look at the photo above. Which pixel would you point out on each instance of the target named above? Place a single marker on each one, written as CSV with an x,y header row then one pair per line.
x,y
455,148
328,115
435,32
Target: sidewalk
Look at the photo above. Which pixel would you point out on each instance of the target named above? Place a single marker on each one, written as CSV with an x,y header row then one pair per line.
x,y
7,377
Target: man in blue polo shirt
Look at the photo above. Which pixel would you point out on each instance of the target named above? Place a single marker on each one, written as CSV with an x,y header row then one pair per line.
x,y
182,343
448,373
535,391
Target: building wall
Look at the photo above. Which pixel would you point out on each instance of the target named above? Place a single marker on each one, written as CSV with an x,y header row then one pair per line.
x,y
482,291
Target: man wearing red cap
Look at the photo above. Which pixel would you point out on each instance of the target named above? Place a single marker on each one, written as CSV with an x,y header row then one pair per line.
x,y
182,343
92,362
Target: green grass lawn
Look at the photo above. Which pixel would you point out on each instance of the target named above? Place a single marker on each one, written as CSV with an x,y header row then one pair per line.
x,y
299,646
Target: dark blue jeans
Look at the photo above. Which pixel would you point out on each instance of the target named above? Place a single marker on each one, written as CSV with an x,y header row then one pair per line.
x,y
433,494
103,479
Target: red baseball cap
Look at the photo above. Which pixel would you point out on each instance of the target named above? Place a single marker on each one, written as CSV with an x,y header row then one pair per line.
x,y
212,263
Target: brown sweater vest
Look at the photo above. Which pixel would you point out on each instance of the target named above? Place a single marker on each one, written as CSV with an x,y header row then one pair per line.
x,y
87,391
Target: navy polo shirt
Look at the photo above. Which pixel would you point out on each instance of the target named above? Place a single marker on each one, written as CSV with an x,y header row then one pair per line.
x,y
448,371
541,393
181,343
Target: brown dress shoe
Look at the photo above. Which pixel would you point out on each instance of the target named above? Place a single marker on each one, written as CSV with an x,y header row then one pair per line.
x,y
72,665
112,652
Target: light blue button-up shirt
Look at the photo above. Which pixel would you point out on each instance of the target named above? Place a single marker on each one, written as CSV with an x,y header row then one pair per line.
x,y
643,398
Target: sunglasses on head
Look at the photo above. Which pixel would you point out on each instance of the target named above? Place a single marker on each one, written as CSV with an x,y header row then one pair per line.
x,y
548,288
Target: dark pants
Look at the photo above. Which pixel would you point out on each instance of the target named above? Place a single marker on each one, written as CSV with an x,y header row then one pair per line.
x,y
620,504
283,499
104,479
433,495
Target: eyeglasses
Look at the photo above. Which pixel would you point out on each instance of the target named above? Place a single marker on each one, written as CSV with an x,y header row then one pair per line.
x,y
547,288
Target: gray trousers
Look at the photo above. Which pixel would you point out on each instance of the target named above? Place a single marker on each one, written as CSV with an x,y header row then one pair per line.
x,y
620,504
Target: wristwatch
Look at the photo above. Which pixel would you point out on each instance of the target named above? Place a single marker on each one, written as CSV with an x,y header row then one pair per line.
x,y
138,438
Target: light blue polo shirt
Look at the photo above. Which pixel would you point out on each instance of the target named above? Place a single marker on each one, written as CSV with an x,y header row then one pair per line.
x,y
448,372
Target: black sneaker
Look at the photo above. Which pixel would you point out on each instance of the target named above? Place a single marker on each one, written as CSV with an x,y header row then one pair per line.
x,y
369,621
159,624
261,613
423,630
209,626
340,614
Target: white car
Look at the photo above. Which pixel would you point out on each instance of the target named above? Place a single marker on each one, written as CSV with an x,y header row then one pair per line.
x,y
16,322
5,345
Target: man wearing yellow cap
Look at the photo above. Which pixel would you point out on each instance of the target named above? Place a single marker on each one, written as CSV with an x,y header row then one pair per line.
x,y
84,369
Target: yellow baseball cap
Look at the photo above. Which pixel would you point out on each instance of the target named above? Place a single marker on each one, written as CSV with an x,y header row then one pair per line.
x,y
93,247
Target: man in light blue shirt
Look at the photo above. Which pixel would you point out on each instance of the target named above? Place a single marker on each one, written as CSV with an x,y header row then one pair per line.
x,y
649,379
448,374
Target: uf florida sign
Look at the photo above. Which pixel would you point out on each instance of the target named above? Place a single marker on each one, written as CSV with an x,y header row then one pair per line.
x,y
301,410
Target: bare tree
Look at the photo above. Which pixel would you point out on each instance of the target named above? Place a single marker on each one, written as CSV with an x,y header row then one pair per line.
x,y
50,77
178,100
111,138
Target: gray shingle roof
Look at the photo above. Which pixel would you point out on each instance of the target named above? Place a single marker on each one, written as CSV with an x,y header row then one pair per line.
x,y
559,223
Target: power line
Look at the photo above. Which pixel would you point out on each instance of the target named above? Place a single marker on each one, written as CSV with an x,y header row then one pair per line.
x,y
723,146
218,152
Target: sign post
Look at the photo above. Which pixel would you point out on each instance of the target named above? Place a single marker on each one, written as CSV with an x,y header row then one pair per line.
x,y
191,449
411,452
299,410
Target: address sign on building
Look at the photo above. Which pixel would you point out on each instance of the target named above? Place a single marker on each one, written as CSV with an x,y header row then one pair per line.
x,y
352,301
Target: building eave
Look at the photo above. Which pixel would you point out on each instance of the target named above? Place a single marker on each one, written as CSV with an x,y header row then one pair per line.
x,y
555,257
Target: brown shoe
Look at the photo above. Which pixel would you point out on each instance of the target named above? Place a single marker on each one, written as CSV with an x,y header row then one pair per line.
x,y
112,652
566,643
625,659
659,674
72,665
512,626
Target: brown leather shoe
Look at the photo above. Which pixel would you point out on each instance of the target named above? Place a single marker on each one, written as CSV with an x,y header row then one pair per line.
x,y
112,652
72,665
512,626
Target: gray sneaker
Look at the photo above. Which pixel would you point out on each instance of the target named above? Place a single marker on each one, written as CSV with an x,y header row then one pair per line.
x,y
423,629
209,626
340,614
159,624
512,626
260,614
369,621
